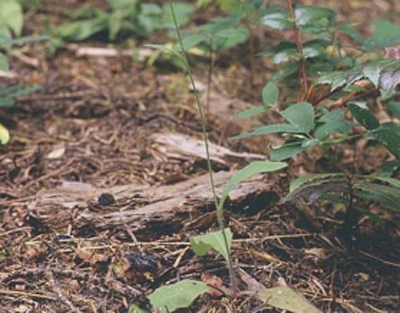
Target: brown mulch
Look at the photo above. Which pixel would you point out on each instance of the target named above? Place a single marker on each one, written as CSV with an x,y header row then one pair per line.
x,y
92,122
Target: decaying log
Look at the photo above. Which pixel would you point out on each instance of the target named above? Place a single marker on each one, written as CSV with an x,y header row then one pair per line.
x,y
182,147
141,207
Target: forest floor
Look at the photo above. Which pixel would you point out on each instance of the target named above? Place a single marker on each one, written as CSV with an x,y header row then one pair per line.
x,y
86,152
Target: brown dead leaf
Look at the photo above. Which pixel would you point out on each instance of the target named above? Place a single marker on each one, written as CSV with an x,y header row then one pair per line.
x,y
213,281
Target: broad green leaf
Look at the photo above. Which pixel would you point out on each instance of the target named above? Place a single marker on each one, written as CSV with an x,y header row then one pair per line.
x,y
307,180
11,15
373,70
330,123
270,94
229,38
179,295
311,15
3,63
269,129
4,135
276,20
286,298
394,108
287,150
204,243
301,115
335,79
255,167
182,12
363,116
191,41
387,196
385,34
251,112
80,30
389,135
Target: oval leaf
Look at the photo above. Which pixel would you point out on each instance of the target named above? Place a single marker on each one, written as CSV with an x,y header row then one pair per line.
x,y
300,115
203,243
270,94
180,295
255,167
363,116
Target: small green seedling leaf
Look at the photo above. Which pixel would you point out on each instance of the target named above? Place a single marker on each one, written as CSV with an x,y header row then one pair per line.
x,y
255,167
204,243
4,135
180,295
270,94
300,115
286,298
363,116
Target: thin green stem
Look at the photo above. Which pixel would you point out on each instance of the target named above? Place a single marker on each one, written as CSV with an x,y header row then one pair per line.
x,y
220,217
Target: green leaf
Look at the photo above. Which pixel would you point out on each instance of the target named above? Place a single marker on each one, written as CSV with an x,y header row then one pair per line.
x,y
363,116
125,5
335,79
373,70
269,129
348,29
288,150
286,298
204,243
180,295
270,94
301,115
385,34
394,108
387,196
182,12
276,20
134,308
311,179
114,24
3,63
251,112
11,15
330,123
255,167
229,38
389,135
80,30
4,135
311,15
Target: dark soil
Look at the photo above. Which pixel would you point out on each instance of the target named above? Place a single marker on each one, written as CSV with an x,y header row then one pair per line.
x,y
92,122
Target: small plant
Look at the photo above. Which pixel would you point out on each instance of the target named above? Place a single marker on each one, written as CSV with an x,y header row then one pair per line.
x,y
309,123
133,17
11,24
179,295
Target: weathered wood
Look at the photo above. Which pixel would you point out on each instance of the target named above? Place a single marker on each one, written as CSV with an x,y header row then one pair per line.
x,y
182,147
139,207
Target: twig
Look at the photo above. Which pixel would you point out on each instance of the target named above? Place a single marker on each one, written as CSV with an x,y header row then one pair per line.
x,y
299,48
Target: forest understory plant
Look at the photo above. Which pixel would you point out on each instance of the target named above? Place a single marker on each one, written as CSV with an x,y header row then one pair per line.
x,y
321,115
